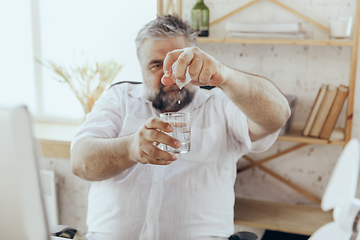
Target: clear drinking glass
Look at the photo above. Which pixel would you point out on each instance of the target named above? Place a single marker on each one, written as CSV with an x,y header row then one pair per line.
x,y
182,131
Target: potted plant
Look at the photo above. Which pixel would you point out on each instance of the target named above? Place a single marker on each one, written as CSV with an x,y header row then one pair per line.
x,y
88,81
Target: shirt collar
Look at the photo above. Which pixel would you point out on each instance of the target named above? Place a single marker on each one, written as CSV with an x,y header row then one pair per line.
x,y
137,91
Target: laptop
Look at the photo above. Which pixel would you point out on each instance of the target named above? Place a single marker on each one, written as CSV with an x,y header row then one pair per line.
x,y
22,209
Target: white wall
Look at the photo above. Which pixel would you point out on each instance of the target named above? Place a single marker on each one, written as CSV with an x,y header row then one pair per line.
x,y
298,70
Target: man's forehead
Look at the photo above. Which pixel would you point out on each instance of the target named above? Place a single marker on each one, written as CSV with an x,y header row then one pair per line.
x,y
161,46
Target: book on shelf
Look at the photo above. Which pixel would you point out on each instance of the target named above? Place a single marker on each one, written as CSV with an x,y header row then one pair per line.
x,y
263,27
334,112
299,35
324,110
314,110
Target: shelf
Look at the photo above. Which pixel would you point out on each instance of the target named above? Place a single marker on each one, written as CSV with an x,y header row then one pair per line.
x,y
279,216
321,42
294,135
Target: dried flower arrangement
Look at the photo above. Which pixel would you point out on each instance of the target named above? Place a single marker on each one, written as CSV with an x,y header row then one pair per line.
x,y
88,82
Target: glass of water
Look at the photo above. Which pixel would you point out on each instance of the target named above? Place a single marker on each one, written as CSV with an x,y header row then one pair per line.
x,y
182,127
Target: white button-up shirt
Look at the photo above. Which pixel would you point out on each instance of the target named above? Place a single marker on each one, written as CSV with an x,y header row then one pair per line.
x,y
193,197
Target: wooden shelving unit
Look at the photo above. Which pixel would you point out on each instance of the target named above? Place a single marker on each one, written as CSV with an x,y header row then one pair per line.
x,y
353,43
294,135
175,7
318,42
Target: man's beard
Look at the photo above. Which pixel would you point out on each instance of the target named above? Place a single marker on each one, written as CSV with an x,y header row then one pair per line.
x,y
166,102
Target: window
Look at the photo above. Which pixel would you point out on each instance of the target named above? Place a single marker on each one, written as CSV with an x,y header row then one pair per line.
x,y
16,69
68,31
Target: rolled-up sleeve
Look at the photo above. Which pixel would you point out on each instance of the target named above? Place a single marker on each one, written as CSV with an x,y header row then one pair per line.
x,y
104,120
238,128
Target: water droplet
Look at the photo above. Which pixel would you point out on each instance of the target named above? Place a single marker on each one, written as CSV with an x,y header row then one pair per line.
x,y
179,99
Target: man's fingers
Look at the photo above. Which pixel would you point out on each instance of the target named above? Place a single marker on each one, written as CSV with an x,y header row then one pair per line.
x,y
145,159
166,80
197,83
156,123
154,154
206,74
182,63
178,123
195,68
160,137
169,60
203,69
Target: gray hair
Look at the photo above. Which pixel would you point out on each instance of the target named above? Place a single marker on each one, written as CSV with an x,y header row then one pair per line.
x,y
165,27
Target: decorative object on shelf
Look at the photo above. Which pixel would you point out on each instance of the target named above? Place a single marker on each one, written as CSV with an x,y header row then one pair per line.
x,y
334,112
258,35
314,111
88,81
325,111
340,27
165,7
271,30
200,19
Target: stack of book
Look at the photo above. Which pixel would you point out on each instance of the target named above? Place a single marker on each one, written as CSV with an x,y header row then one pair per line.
x,y
265,30
325,111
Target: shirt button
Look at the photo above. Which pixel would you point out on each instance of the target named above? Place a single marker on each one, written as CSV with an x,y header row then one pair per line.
x,y
157,180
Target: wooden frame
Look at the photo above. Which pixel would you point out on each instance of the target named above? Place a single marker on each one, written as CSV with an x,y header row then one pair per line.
x,y
170,7
259,164
278,4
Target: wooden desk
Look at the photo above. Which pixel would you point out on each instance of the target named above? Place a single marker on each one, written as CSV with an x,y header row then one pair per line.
x,y
54,139
279,216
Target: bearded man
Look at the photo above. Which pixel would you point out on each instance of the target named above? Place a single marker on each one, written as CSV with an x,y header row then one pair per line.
x,y
142,192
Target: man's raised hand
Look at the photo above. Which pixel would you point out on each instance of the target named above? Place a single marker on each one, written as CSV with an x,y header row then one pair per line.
x,y
203,68
143,147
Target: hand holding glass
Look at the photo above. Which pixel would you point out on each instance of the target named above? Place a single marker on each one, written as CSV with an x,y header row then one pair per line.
x,y
182,127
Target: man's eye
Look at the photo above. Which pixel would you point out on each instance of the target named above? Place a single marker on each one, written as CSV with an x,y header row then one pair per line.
x,y
155,66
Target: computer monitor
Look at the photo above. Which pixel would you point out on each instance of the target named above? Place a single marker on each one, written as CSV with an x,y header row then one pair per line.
x,y
22,211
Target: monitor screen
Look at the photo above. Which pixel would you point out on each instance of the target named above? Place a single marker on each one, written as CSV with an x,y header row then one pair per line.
x,y
22,212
